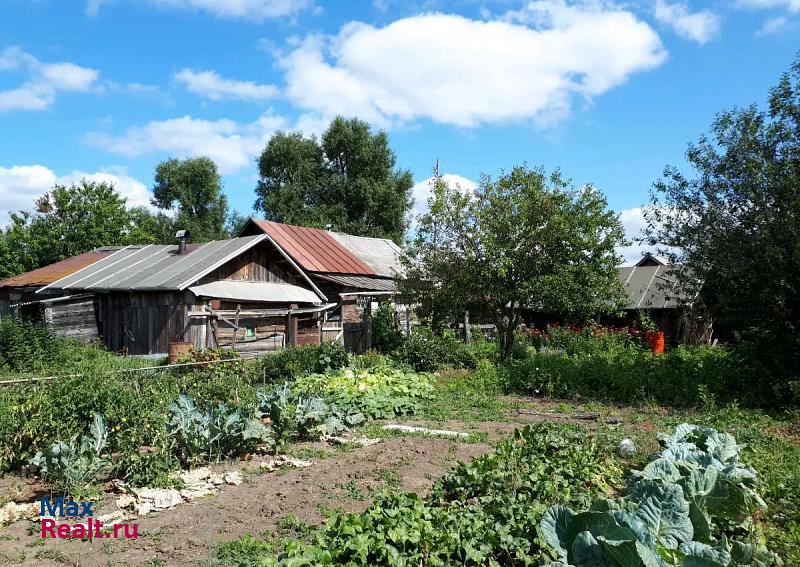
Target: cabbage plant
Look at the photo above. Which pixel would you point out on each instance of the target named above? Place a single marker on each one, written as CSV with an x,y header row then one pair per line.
x,y
678,511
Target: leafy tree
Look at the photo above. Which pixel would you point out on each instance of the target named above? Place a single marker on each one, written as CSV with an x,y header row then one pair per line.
x,y
735,223
67,221
194,187
525,239
347,179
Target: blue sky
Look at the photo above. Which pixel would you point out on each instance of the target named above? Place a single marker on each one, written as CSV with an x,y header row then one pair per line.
x,y
607,91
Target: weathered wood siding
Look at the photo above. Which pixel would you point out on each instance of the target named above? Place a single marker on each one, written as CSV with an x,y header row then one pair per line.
x,y
259,264
143,322
75,319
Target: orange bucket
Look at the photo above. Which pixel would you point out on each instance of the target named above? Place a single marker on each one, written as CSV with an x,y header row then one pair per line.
x,y
655,339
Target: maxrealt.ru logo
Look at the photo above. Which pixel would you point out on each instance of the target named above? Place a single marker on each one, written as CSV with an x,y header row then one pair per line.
x,y
69,511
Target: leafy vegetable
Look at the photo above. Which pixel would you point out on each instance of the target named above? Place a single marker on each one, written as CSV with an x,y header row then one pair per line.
x,y
678,511
73,465
213,432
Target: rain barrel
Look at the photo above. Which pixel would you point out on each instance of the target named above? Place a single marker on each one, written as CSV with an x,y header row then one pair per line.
x,y
177,350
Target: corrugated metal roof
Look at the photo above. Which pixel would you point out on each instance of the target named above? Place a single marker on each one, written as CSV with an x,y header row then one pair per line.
x,y
155,267
48,274
360,282
380,254
256,291
314,249
653,287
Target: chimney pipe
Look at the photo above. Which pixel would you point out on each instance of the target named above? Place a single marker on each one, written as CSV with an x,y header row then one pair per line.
x,y
183,239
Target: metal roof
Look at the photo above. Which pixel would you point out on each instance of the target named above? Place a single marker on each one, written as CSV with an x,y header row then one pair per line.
x,y
255,291
314,249
380,254
48,274
360,282
653,287
155,267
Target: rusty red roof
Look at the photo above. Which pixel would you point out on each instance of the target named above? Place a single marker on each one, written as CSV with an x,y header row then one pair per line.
x,y
314,249
54,272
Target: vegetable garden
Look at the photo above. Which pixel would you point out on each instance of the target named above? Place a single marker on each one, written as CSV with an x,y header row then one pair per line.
x,y
538,487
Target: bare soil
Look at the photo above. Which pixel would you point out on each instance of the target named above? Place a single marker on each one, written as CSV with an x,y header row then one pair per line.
x,y
187,533
341,480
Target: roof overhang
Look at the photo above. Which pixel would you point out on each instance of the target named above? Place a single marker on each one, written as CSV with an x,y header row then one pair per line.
x,y
267,292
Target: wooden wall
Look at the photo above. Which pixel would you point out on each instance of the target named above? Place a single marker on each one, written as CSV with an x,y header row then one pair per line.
x,y
75,319
144,322
259,264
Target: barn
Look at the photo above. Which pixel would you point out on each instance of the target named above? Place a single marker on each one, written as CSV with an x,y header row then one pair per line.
x,y
143,298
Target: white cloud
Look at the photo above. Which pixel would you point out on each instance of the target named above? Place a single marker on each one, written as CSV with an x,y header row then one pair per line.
x,y
421,192
702,26
211,85
465,72
21,185
44,81
257,10
230,144
791,5
633,222
773,26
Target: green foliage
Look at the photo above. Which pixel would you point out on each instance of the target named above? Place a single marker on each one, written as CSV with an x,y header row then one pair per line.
x,y
67,221
745,257
376,394
632,374
347,180
428,352
71,466
193,186
213,432
294,416
588,339
684,508
524,239
28,347
290,363
484,513
734,224
386,336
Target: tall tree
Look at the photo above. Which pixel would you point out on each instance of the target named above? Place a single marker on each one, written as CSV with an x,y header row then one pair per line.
x,y
526,239
347,180
735,223
68,221
193,188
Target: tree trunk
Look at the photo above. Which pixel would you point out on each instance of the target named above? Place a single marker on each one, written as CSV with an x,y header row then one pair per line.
x,y
506,325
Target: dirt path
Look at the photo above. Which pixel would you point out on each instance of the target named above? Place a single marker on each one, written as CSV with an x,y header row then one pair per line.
x,y
187,534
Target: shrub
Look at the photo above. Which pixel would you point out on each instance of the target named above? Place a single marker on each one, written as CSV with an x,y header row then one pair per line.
x,y
590,339
628,375
386,337
290,363
427,352
26,347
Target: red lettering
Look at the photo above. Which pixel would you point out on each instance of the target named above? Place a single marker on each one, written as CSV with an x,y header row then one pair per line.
x,y
48,526
97,526
63,531
135,531
116,530
79,531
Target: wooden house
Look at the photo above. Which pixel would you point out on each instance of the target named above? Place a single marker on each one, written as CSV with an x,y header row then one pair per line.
x,y
274,285
143,298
